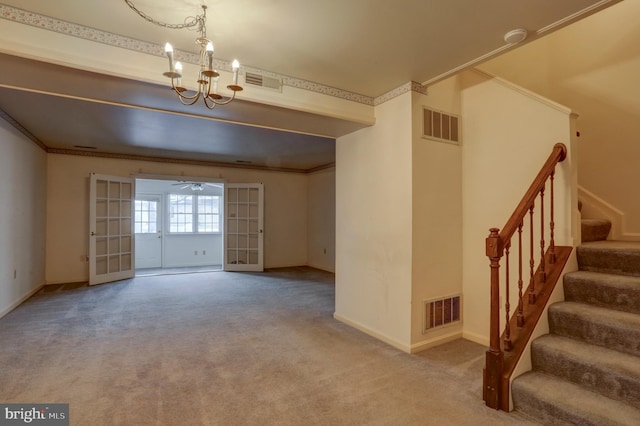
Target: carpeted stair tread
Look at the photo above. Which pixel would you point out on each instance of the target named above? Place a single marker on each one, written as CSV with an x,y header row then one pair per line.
x,y
619,292
611,373
595,229
615,257
553,401
599,326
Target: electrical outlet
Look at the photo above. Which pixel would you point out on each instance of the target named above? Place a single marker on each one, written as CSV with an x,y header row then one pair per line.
x,y
204,252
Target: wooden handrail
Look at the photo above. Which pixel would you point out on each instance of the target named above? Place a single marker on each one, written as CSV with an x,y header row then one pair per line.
x,y
558,155
495,386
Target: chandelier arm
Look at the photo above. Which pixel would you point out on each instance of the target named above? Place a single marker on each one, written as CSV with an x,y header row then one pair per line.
x,y
188,100
211,105
180,92
226,101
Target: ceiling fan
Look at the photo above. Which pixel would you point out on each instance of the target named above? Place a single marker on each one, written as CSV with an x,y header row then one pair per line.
x,y
197,186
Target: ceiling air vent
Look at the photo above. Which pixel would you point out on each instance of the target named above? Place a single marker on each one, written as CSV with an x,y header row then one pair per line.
x,y
263,81
440,126
441,312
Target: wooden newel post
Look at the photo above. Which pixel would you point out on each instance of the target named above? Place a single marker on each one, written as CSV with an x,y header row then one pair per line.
x,y
494,356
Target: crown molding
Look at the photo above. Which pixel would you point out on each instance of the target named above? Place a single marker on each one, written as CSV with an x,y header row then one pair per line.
x,y
6,117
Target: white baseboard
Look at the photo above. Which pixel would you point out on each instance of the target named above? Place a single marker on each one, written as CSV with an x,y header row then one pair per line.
x,y
322,268
477,338
436,341
20,301
373,333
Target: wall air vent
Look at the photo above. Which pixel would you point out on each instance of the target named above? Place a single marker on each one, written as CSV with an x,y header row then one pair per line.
x,y
441,312
263,81
440,126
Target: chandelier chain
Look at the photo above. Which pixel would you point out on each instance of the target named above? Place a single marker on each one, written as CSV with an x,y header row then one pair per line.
x,y
189,21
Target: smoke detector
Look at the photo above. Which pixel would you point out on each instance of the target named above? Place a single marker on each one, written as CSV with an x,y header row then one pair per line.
x,y
515,36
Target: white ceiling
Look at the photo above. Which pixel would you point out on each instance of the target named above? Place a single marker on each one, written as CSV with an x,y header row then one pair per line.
x,y
367,47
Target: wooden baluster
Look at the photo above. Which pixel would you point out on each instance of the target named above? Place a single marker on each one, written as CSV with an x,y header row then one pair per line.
x,y
552,242
507,305
520,315
543,272
532,283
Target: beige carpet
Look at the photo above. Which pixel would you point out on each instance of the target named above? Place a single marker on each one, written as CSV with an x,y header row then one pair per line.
x,y
228,349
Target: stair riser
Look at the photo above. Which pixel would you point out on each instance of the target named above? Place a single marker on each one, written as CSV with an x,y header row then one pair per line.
x,y
545,412
597,378
609,261
580,327
603,294
595,230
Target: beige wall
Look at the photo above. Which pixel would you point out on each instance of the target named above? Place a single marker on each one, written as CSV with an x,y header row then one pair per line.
x,y
68,209
22,217
592,66
508,135
437,215
321,229
373,225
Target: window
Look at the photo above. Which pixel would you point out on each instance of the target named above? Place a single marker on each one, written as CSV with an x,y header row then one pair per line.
x,y
194,213
146,217
208,213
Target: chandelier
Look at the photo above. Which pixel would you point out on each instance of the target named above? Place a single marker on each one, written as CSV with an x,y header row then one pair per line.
x,y
207,77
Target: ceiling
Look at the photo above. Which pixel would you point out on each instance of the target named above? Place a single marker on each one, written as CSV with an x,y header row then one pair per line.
x,y
366,47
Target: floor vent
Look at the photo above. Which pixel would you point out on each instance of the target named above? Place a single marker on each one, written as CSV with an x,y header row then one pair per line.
x,y
263,81
441,312
440,126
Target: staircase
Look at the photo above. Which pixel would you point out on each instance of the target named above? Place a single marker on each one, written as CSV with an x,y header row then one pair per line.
x,y
587,370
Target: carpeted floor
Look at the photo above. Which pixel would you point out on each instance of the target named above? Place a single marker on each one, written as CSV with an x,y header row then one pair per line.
x,y
228,349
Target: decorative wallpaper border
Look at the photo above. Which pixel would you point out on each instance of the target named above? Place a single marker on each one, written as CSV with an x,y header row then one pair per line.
x,y
411,86
25,17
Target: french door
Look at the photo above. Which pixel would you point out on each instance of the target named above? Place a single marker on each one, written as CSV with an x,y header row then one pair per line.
x,y
244,227
111,242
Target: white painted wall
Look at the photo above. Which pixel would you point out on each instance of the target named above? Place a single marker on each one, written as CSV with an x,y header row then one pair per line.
x,y
437,215
22,217
68,213
322,219
508,135
373,225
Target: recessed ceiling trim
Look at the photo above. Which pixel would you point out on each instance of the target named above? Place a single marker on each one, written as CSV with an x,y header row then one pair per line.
x,y
146,108
115,40
179,161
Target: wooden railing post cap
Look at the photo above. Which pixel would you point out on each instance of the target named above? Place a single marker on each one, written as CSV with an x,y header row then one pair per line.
x,y
493,246
563,153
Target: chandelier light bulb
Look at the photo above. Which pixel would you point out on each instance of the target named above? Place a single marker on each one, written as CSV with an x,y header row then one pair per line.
x,y
168,48
235,65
